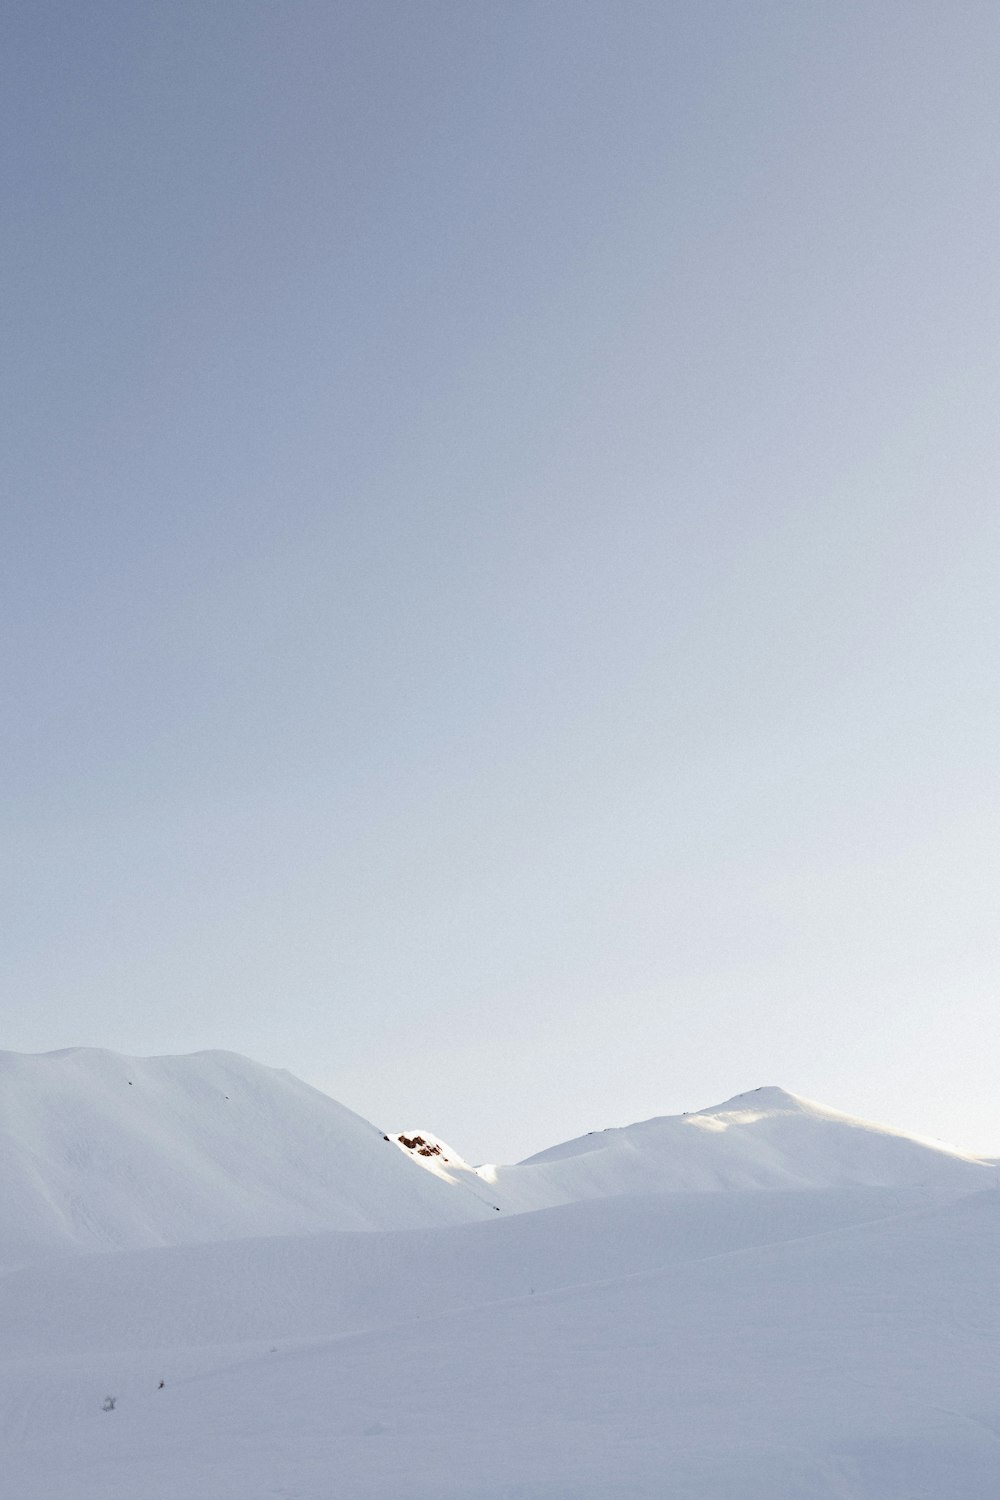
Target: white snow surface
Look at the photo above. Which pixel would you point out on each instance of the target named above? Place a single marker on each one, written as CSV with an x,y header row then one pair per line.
x,y
764,1139
763,1301
104,1152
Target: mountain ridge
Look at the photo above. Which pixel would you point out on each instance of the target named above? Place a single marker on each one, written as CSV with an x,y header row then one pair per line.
x,y
766,1138
106,1151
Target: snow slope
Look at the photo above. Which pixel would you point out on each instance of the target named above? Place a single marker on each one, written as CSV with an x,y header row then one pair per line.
x,y
106,1152
302,1286
850,1362
766,1139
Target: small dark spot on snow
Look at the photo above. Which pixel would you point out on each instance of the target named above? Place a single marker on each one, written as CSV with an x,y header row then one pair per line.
x,y
385,1137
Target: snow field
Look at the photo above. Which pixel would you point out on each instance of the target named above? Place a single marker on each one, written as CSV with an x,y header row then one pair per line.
x,y
764,1301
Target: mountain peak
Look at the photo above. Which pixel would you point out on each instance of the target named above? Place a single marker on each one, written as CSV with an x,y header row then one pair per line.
x,y
769,1099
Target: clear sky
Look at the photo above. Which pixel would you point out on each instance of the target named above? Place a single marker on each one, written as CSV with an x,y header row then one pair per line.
x,y
500,551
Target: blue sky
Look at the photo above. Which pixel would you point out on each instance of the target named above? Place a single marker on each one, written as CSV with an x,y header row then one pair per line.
x,y
500,551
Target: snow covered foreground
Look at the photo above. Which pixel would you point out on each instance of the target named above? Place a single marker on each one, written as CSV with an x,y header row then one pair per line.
x,y
832,1335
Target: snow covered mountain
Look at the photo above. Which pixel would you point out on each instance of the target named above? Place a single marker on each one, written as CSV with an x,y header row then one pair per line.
x,y
766,1139
105,1152
762,1301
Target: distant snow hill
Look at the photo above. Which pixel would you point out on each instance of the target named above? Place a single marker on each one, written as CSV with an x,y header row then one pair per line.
x,y
766,1139
105,1152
